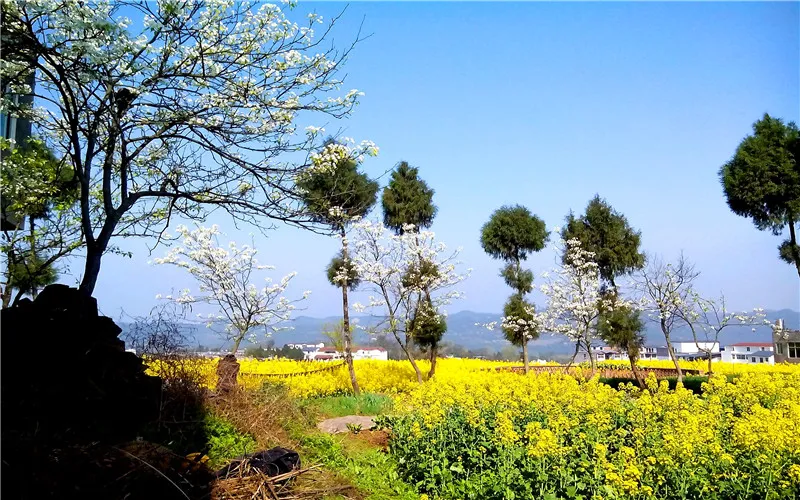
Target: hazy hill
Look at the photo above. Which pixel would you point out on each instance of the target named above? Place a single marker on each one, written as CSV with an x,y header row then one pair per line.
x,y
462,330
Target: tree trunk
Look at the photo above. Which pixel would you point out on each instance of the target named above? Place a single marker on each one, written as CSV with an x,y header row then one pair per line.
x,y
347,334
710,372
236,342
6,295
7,288
592,362
33,291
574,355
434,354
525,362
636,373
793,242
410,357
671,351
92,269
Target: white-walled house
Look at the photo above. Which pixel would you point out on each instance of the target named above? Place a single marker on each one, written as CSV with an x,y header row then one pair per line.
x,y
330,353
750,352
378,353
693,347
607,353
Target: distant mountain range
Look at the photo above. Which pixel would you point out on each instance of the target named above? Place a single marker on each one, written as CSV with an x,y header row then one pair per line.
x,y
462,330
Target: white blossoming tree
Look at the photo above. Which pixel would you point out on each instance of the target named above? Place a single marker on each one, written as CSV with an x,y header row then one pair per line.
x,y
707,318
186,107
574,298
384,262
227,281
667,290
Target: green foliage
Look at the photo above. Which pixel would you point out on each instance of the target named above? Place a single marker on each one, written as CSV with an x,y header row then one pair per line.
x,y
354,428
371,470
517,278
427,326
622,327
34,180
407,200
343,188
762,181
30,272
419,274
692,382
340,406
286,352
606,233
518,307
336,266
335,335
225,442
512,233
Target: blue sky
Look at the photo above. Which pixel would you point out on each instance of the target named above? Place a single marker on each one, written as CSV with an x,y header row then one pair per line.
x,y
546,104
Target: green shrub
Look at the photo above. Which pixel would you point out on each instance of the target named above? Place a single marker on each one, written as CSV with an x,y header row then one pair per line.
x,y
225,442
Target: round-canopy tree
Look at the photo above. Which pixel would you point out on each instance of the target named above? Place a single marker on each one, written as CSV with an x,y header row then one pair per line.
x,y
762,181
607,234
336,194
511,234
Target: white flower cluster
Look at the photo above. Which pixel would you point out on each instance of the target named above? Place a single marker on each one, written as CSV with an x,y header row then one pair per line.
x,y
224,276
382,259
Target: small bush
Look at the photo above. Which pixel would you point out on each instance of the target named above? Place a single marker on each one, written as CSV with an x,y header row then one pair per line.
x,y
225,442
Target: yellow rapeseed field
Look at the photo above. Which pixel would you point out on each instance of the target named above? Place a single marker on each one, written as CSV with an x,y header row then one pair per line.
x,y
397,377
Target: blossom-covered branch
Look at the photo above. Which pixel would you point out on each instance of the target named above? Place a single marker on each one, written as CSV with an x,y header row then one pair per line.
x,y
226,280
192,109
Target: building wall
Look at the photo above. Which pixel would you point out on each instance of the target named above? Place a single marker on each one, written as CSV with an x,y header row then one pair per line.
x,y
787,346
692,347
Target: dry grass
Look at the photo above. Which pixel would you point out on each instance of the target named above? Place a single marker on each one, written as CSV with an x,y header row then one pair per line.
x,y
266,414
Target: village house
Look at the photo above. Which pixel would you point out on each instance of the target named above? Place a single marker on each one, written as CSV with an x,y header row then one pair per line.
x,y
323,353
749,352
787,344
607,353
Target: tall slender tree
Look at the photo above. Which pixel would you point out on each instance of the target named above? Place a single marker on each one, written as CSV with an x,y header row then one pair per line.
x,y
608,235
336,194
408,206
511,234
762,182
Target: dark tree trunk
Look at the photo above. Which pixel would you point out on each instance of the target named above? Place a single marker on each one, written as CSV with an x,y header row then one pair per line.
x,y
347,334
434,355
410,357
793,242
7,288
671,351
636,373
525,361
592,362
574,355
33,291
91,269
